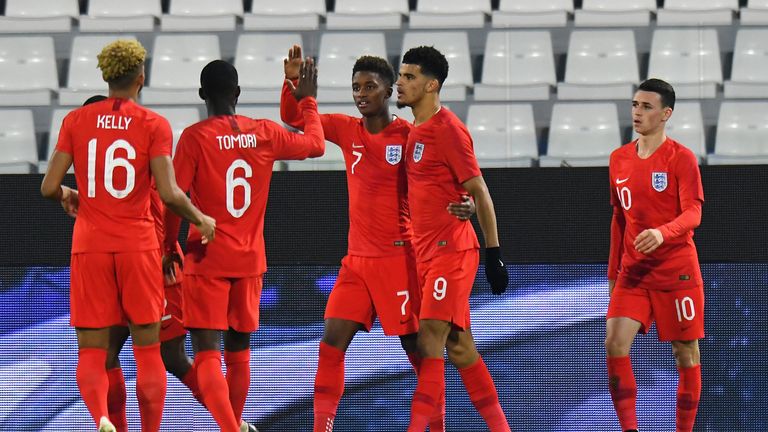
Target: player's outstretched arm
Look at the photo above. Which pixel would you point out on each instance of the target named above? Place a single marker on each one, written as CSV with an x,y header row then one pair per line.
x,y
495,270
289,107
52,188
177,201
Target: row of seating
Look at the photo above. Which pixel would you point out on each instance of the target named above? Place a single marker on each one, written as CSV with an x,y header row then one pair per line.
x,y
601,65
204,15
580,134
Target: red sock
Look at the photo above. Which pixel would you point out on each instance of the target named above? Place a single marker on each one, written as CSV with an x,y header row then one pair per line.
x,y
214,389
688,393
329,386
482,392
431,384
116,399
437,421
238,379
150,385
92,381
623,388
190,380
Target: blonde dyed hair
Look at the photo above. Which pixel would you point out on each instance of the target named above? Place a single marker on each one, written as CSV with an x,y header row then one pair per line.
x,y
120,59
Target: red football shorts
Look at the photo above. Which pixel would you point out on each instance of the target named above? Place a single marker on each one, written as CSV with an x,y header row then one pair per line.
x,y
679,314
216,303
383,286
106,288
446,283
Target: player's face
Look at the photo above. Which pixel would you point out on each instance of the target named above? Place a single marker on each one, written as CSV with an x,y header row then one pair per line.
x,y
370,93
411,85
648,114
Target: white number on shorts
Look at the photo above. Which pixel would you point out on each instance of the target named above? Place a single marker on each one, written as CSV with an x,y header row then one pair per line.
x,y
441,285
359,158
110,163
685,309
625,196
233,182
405,301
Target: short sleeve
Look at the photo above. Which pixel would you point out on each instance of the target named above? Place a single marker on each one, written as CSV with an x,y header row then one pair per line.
x,y
64,142
459,153
161,139
186,159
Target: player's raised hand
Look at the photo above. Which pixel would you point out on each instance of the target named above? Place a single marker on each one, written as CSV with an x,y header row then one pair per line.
x,y
292,64
495,270
464,209
648,241
169,266
70,201
307,80
207,228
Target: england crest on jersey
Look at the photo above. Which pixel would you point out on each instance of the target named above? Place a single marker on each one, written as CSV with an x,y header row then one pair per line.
x,y
394,153
418,152
659,181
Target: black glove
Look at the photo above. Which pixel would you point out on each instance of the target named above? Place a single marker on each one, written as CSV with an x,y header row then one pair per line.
x,y
496,271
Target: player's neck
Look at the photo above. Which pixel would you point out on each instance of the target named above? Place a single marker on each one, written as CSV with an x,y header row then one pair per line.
x,y
123,94
647,144
425,109
377,123
220,109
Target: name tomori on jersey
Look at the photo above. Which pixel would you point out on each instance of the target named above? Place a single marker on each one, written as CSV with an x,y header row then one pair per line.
x,y
228,142
111,121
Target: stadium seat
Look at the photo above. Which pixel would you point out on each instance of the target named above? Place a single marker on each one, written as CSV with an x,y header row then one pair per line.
x,y
39,16
750,62
582,134
53,137
756,13
688,59
338,53
450,14
742,134
455,47
176,64
364,14
120,16
532,13
614,13
504,135
697,12
202,15
284,15
18,148
517,66
259,62
333,159
27,71
601,64
179,118
687,127
84,77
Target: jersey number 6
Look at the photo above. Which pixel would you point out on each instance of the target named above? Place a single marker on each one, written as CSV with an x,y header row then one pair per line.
x,y
233,182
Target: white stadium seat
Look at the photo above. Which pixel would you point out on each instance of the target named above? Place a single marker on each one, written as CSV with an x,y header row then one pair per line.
x,y
504,135
179,118
532,13
750,61
614,13
284,15
582,134
450,13
27,71
120,16
601,64
38,16
697,12
84,77
364,14
18,148
689,59
756,13
259,62
338,53
53,137
202,15
455,47
742,134
177,61
517,66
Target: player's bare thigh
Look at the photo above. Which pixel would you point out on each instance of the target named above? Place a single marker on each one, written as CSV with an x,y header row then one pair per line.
x,y
619,334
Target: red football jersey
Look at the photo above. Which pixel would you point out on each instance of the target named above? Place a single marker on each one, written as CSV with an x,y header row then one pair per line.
x,y
112,142
379,221
225,162
663,192
439,159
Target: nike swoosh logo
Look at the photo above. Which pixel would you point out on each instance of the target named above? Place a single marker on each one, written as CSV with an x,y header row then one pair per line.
x,y
357,146
618,181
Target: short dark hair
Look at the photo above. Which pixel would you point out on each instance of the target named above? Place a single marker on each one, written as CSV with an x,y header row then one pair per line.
x,y
662,88
432,62
94,99
375,65
218,78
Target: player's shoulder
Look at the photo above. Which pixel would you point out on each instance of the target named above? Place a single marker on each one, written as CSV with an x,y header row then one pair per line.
x,y
623,151
680,151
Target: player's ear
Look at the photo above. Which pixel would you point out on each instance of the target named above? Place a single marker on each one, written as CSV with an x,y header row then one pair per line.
x,y
237,92
201,93
433,85
388,94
